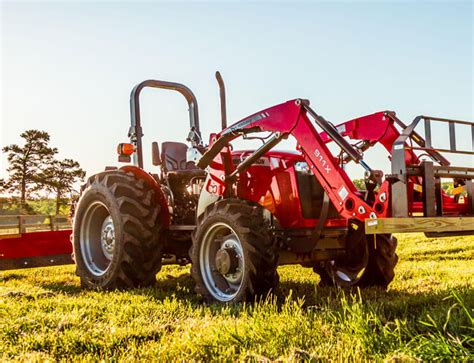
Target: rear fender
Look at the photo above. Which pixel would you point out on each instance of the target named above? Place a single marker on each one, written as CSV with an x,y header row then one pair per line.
x,y
159,195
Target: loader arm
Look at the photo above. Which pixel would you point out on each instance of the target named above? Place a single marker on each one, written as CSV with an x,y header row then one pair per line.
x,y
380,128
371,129
291,118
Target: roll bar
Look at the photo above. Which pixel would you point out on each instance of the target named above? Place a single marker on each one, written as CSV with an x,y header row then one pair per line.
x,y
135,132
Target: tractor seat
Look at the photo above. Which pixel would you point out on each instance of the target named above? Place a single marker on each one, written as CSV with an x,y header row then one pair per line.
x,y
173,160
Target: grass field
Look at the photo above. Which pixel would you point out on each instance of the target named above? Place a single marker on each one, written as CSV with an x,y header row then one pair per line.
x,y
427,314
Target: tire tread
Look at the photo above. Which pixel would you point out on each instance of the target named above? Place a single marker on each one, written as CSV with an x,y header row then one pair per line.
x,y
142,245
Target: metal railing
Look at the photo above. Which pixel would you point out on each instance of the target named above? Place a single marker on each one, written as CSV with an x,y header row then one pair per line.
x,y
431,176
452,135
17,224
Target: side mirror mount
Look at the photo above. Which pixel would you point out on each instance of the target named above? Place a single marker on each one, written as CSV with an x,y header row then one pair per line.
x,y
155,154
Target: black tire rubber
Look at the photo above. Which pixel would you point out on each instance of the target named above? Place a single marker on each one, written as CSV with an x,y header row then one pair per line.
x,y
136,217
260,249
380,269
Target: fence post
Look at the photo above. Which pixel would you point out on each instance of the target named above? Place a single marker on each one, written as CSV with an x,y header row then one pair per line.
x,y
21,227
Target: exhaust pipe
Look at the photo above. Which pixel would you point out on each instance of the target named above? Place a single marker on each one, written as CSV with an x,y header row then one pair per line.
x,y
220,81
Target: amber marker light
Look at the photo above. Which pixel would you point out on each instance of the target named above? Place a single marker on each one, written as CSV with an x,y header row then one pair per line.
x,y
125,149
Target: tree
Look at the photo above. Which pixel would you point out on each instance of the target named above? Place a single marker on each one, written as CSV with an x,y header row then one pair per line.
x,y
60,176
359,184
27,162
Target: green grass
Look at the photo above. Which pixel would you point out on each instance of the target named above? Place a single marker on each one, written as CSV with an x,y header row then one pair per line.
x,y
426,314
44,206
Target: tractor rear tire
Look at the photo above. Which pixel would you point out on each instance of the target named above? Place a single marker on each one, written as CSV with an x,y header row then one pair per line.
x,y
116,235
237,231
379,270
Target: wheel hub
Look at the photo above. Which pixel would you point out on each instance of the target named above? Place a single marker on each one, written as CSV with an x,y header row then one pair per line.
x,y
223,262
227,261
107,240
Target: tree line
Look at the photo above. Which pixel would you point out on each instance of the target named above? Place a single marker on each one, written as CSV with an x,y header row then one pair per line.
x,y
33,169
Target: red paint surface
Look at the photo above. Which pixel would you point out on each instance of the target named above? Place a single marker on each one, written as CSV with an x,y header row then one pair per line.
x,y
36,244
274,185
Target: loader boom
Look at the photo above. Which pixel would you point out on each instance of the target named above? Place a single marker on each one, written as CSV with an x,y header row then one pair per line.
x,y
294,118
291,118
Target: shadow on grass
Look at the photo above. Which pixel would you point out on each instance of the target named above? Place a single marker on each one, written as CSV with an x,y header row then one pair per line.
x,y
392,303
63,288
11,276
181,286
442,254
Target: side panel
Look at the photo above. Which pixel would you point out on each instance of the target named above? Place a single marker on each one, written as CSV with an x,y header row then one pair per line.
x,y
272,182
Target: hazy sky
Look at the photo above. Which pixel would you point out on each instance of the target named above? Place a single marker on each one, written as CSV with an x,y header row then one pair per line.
x,y
68,68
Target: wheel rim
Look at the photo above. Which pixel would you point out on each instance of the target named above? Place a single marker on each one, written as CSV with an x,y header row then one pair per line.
x,y
345,275
222,262
97,238
347,270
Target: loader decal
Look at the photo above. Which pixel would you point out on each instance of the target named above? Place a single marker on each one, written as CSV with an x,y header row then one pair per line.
x,y
343,193
318,155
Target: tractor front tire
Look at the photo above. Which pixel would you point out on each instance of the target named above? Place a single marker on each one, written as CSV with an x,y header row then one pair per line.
x,y
379,266
380,269
234,257
116,232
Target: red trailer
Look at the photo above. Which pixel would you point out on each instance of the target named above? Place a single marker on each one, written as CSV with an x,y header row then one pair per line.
x,y
34,241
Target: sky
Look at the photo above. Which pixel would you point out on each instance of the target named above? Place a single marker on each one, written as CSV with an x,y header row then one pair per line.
x,y
68,67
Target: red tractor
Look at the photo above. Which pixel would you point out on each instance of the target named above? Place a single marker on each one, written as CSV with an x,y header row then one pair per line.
x,y
237,215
